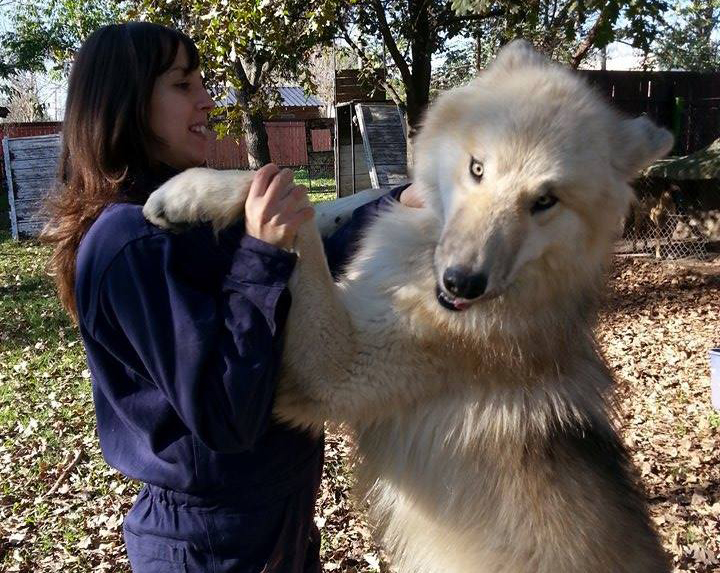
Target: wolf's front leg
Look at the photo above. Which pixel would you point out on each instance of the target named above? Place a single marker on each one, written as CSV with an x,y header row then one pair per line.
x,y
200,195
319,337
336,369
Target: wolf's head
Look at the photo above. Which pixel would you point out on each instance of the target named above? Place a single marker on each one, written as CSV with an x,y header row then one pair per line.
x,y
528,169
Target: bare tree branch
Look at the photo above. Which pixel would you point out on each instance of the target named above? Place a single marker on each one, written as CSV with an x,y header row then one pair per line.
x,y
390,43
589,40
71,463
495,13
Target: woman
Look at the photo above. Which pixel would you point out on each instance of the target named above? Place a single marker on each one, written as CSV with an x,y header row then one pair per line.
x,y
182,331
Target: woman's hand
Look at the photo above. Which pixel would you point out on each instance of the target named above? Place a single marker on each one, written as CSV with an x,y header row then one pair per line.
x,y
410,197
276,207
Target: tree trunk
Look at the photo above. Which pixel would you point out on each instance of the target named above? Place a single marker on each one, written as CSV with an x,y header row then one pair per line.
x,y
413,115
256,140
418,94
251,72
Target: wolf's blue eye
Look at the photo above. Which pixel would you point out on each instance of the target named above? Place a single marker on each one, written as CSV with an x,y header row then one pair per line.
x,y
476,169
543,203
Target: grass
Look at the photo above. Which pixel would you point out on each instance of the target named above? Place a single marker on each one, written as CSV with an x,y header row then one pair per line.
x,y
46,416
319,188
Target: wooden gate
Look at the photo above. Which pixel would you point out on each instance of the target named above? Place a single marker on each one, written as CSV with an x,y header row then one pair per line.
x,y
30,171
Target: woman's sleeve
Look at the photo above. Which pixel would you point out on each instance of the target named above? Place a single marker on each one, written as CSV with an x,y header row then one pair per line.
x,y
212,352
343,243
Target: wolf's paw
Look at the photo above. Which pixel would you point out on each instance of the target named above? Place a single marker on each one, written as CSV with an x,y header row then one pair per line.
x,y
177,203
155,212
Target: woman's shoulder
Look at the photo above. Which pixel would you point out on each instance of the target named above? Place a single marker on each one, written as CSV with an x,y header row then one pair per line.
x,y
117,226
122,225
121,239
124,221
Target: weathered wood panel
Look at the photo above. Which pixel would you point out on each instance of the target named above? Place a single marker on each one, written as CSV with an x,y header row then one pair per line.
x,y
349,87
31,170
10,190
384,143
345,178
36,153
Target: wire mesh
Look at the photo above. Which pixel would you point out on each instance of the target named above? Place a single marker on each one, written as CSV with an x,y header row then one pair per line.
x,y
321,172
659,226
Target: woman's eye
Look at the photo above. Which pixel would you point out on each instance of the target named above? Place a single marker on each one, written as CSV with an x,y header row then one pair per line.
x,y
543,203
476,169
183,85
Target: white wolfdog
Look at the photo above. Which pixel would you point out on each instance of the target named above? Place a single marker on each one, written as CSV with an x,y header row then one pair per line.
x,y
459,343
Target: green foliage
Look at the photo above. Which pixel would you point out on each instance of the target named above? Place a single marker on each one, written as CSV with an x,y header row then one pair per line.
x,y
247,46
550,24
46,32
687,42
458,67
569,31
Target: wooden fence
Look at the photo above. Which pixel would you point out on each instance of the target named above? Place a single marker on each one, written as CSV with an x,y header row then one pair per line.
x,y
24,130
287,141
687,103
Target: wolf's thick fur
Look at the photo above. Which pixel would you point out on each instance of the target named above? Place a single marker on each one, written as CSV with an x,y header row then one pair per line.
x,y
485,440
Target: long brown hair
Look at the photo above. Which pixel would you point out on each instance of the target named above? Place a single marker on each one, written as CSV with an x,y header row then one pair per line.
x,y
106,134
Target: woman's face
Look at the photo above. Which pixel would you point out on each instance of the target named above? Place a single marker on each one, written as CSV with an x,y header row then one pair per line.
x,y
179,107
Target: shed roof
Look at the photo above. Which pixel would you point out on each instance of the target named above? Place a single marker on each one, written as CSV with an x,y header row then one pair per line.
x,y
294,96
290,96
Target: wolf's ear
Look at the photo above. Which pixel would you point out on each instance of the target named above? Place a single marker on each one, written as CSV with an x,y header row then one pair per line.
x,y
517,54
637,143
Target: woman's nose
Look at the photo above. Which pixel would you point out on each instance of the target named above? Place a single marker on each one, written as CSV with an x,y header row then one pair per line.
x,y
206,102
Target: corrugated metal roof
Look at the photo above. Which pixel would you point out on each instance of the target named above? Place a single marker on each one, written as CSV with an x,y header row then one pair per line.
x,y
294,96
290,96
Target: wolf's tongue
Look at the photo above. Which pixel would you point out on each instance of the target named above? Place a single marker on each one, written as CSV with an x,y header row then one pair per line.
x,y
460,305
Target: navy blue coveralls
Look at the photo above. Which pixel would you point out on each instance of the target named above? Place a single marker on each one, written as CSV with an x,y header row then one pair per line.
x,y
182,335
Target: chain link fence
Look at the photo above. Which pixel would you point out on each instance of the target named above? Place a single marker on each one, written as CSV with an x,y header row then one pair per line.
x,y
318,176
661,225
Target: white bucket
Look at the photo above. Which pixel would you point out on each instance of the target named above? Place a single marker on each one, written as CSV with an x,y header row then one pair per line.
x,y
715,377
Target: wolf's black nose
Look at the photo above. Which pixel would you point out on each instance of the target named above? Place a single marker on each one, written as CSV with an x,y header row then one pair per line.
x,y
461,282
